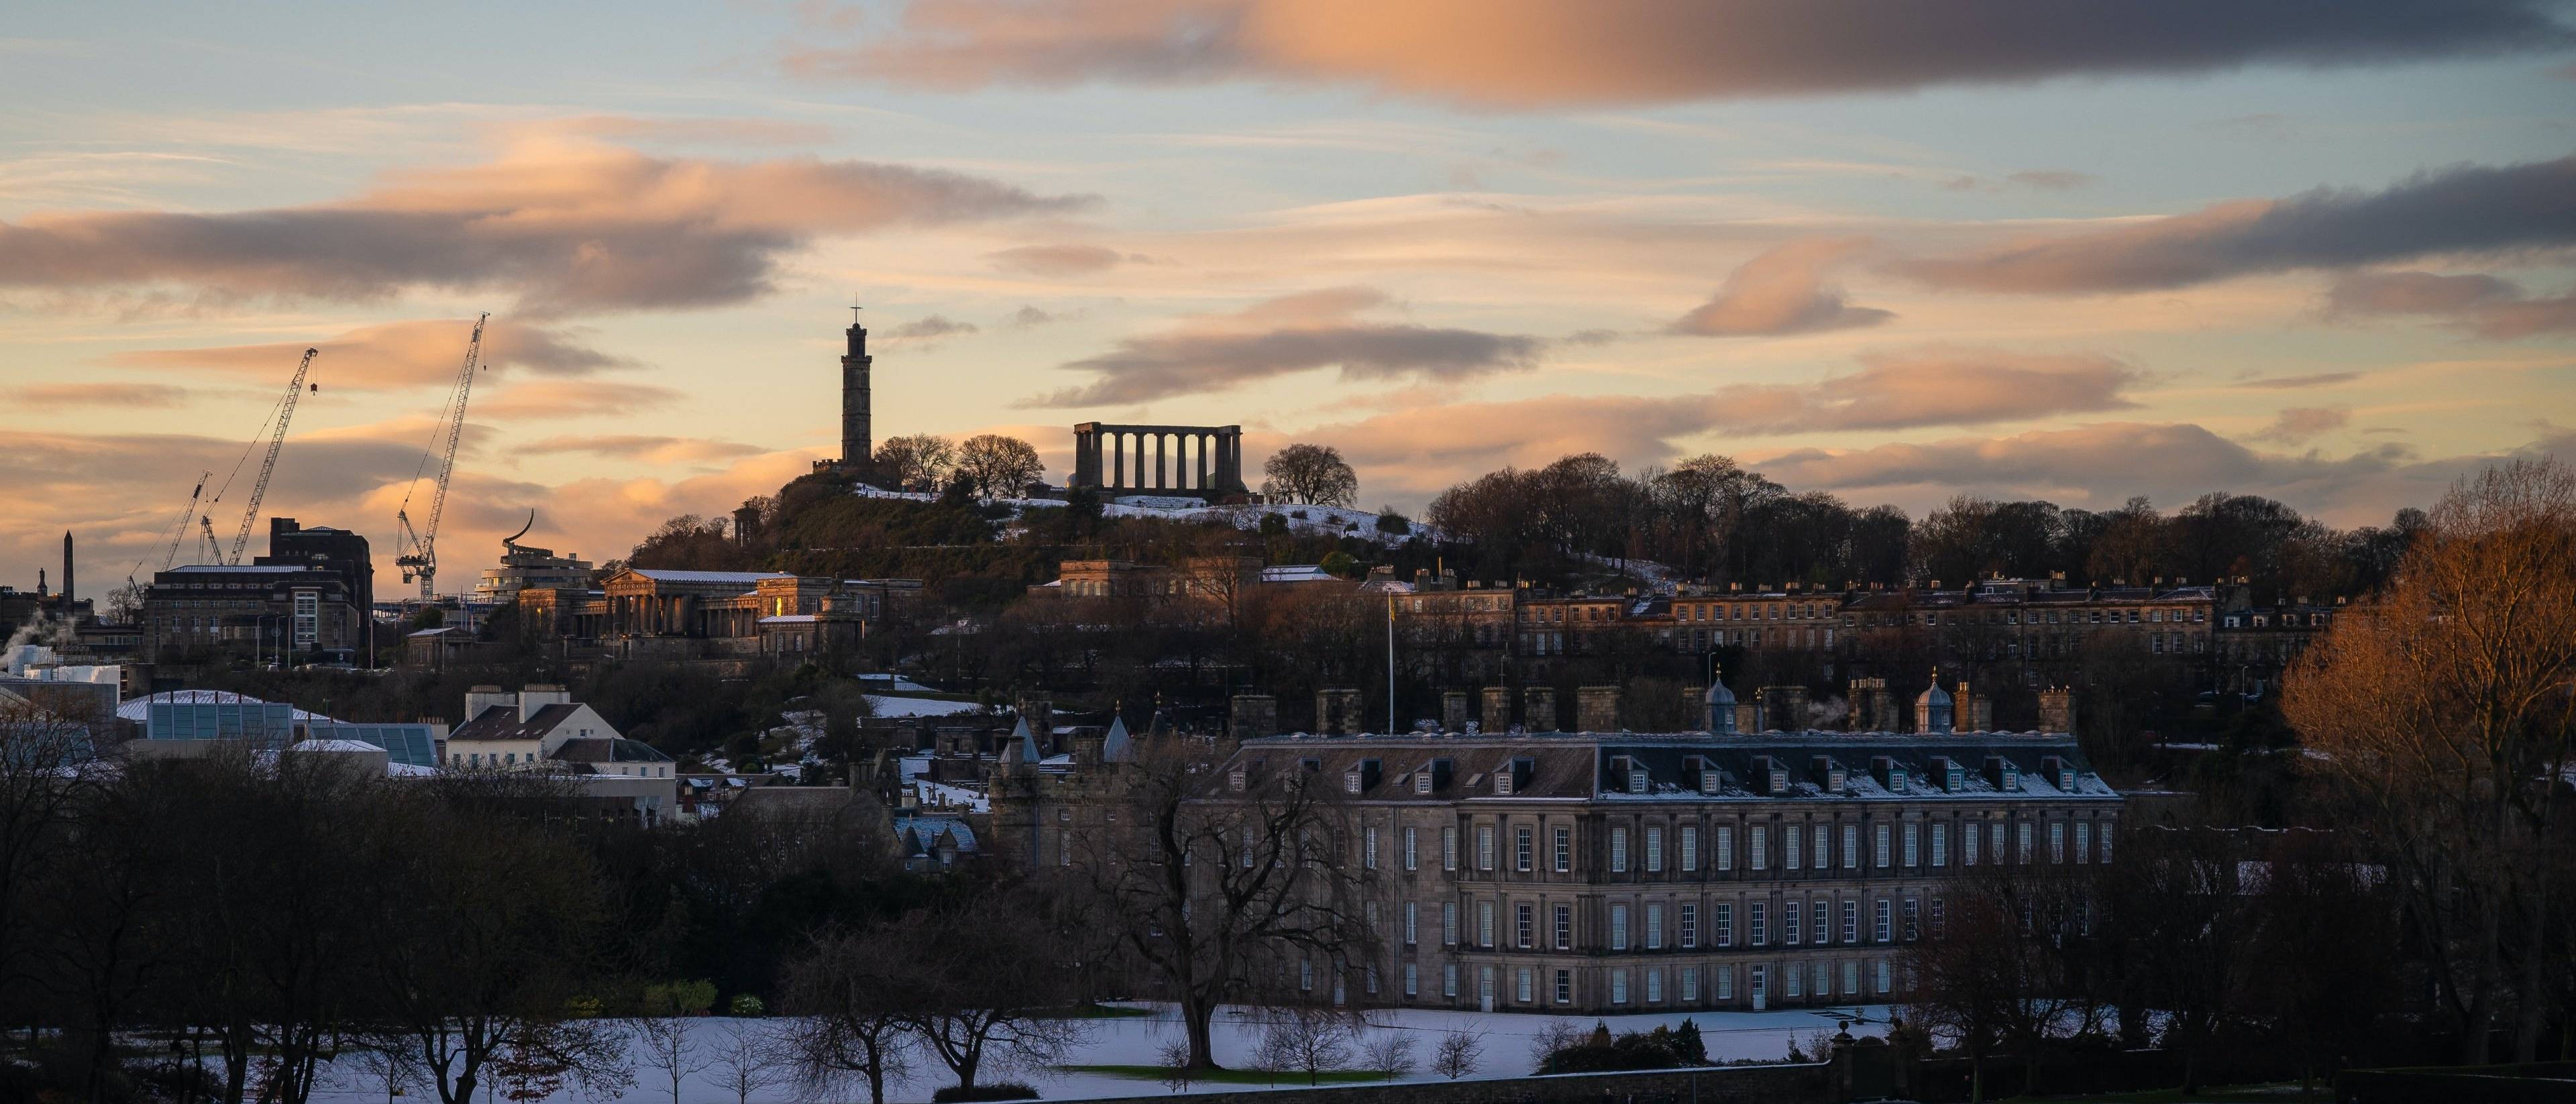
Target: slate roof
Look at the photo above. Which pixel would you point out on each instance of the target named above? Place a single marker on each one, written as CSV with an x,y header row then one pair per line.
x,y
919,835
746,578
502,722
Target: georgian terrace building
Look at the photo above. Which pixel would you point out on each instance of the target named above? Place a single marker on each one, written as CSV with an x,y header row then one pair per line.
x,y
1613,873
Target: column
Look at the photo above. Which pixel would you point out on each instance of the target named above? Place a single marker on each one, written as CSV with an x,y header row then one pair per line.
x,y
1118,459
1162,451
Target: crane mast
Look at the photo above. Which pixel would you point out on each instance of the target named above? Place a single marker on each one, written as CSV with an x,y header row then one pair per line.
x,y
419,555
268,466
179,535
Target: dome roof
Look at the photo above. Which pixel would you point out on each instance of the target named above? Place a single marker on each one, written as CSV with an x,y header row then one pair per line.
x,y
1934,696
1718,694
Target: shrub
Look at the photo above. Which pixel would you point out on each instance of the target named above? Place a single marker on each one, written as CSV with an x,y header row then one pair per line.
x,y
745,1005
1632,1051
1390,522
997,1090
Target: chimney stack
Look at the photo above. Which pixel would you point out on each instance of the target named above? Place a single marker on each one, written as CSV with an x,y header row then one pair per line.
x,y
1596,709
2057,709
1497,709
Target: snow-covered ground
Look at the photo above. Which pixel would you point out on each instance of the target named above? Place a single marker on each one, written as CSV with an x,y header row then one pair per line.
x,y
1326,520
914,766
883,705
1136,1042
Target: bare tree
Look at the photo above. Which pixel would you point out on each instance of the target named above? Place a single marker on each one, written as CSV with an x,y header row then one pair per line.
x,y
751,1059
916,462
665,1045
1307,1039
1457,1054
1208,890
1558,1034
848,997
1174,1059
45,776
1389,1053
994,466
993,980
2445,710
1315,475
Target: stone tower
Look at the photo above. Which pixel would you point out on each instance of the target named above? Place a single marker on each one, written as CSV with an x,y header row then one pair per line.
x,y
857,442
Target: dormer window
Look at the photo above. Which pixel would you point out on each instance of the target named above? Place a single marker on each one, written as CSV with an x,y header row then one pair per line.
x,y
1896,777
1503,782
1710,778
1636,780
1422,781
1953,777
1350,782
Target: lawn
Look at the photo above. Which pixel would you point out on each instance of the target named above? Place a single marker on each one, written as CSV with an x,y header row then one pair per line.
x,y
1157,1074
2281,1093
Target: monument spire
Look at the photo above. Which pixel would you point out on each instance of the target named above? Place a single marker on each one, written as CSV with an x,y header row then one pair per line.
x,y
858,442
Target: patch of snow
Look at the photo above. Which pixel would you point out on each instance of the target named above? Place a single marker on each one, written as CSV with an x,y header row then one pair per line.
x,y
882,705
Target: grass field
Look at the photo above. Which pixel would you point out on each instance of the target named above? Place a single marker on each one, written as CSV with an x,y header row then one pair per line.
x,y
2283,1093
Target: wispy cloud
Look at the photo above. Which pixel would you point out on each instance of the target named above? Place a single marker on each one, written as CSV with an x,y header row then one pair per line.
x,y
1782,292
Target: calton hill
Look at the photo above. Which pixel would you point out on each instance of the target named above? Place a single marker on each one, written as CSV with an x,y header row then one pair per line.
x,y
2362,862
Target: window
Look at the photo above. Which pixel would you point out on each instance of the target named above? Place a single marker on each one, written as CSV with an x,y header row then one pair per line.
x,y
1654,925
1725,847
1879,931
2083,841
1484,923
1795,980
1937,918
1878,847
1449,923
1968,844
1368,847
1913,919
1411,915
1940,845
2021,841
1564,850
1449,979
1063,847
1913,833
1525,926
1306,975
1824,980
1690,847
1371,910
1619,986
1759,982
1484,847
1522,846
1824,849
1690,984
1409,853
1789,856
1654,986
1619,850
1619,926
1690,925
1448,847
1851,921
1824,920
1654,849
1760,932
2057,841
1761,837
1726,983
1996,838
1851,847
2106,843
1368,979
1790,927
1851,977
1725,924
1565,987
1885,982
1410,980
1564,927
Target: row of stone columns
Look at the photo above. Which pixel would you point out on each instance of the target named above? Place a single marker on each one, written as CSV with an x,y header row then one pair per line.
x,y
1158,458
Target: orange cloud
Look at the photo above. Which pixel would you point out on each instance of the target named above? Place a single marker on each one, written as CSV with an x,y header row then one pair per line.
x,y
567,227
1782,292
419,353
1538,53
541,399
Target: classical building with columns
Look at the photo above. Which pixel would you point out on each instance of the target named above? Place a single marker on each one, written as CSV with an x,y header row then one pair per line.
x,y
1206,461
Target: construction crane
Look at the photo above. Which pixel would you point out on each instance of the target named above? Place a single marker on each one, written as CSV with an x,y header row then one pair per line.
x,y
268,465
179,532
418,556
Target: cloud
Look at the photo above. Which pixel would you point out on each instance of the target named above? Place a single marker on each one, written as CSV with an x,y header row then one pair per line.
x,y
57,396
2100,465
925,332
1782,292
2463,209
1061,260
1522,54
2054,180
566,227
2287,383
2480,304
649,449
694,130
1293,333
2294,425
535,400
420,353
1930,387
1028,316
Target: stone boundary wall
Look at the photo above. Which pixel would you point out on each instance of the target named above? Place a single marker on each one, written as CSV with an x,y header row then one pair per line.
x,y
1782,1084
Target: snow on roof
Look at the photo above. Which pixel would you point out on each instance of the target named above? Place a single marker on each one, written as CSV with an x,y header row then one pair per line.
x,y
1296,573
882,705
335,745
140,709
789,619
265,569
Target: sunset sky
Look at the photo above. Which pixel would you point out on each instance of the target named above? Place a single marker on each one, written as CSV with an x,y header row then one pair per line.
x,y
1895,250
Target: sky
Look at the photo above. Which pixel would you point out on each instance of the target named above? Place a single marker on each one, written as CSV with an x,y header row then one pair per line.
x,y
1893,249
